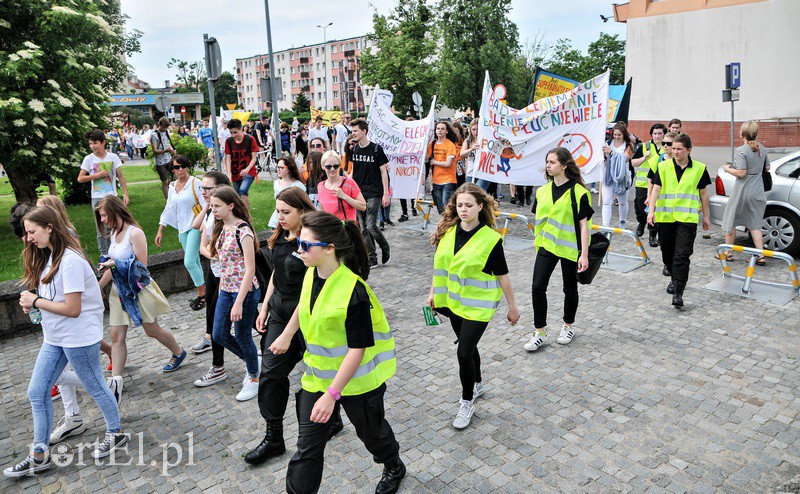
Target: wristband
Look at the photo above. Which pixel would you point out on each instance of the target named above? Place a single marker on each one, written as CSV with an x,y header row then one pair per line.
x,y
337,395
34,301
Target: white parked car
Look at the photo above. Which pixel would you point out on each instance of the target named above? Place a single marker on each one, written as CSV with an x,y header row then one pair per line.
x,y
781,226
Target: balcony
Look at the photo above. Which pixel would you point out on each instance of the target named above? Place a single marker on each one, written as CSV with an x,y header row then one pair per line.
x,y
306,89
266,66
304,60
349,53
304,75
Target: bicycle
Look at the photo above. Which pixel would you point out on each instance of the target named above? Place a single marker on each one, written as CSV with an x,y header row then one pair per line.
x,y
266,163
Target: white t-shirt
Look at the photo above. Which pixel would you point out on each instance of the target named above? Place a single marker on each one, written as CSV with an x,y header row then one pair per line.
x,y
105,186
342,131
322,133
74,275
208,226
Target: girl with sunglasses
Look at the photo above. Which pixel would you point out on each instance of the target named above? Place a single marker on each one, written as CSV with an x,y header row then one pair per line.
x,y
349,356
205,223
283,293
234,242
288,176
184,194
68,296
338,194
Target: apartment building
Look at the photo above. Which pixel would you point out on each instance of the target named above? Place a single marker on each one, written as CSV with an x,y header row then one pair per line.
x,y
328,73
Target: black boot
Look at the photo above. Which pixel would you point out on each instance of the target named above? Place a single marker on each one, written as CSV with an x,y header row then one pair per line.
x,y
270,447
654,238
393,473
677,297
403,217
666,271
671,287
640,230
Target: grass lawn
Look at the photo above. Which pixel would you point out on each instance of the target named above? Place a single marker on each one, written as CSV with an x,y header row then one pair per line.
x,y
147,202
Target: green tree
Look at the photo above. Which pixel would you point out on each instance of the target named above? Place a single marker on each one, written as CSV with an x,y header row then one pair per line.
x,y
190,74
301,104
607,52
478,36
224,92
58,62
404,49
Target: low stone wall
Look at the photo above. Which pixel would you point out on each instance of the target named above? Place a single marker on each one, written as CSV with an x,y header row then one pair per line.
x,y
165,267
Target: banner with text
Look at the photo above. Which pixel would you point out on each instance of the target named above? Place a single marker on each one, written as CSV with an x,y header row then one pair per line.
x,y
326,115
404,142
514,143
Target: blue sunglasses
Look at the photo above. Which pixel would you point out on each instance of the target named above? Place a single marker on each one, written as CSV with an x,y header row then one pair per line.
x,y
306,246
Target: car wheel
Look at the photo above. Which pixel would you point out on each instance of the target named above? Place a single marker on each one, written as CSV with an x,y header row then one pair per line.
x,y
781,231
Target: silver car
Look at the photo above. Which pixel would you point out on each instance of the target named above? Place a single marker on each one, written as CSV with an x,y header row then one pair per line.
x,y
781,226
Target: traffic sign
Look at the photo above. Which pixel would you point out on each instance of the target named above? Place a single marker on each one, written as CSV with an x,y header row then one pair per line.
x,y
733,75
163,103
183,110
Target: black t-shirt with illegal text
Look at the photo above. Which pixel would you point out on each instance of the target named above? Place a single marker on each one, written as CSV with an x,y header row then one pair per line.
x,y
367,163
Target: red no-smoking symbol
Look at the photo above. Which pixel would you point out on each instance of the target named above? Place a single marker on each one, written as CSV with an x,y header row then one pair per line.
x,y
579,146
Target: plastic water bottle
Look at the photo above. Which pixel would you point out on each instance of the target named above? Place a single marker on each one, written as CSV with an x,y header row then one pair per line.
x,y
35,315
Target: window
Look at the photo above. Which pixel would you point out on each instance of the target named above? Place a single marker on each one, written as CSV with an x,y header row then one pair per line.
x,y
358,45
335,79
317,51
317,65
291,56
333,49
341,47
293,83
789,169
319,81
290,70
334,64
335,94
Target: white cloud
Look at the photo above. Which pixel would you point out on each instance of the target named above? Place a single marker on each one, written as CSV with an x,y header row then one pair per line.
x,y
175,28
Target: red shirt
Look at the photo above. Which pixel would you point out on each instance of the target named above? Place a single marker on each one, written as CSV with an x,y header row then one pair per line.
x,y
240,154
332,204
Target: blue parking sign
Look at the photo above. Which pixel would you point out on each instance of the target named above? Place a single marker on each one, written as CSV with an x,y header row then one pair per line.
x,y
734,75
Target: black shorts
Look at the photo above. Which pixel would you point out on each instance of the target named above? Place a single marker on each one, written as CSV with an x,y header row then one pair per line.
x,y
164,173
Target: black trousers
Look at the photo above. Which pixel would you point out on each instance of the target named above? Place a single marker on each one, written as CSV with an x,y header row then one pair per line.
x,y
404,205
524,193
469,361
273,384
212,290
677,246
638,208
543,268
366,413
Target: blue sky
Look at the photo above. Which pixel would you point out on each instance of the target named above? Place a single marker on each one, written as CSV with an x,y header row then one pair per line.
x,y
175,28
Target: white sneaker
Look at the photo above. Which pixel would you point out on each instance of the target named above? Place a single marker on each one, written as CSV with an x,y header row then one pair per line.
x,y
249,391
115,385
465,411
247,374
566,335
536,341
477,391
213,376
68,426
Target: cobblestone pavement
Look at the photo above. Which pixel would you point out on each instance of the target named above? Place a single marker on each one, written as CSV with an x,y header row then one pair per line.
x,y
647,398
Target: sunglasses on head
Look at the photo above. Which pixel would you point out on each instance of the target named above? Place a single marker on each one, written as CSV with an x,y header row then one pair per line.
x,y
668,143
177,167
332,167
306,246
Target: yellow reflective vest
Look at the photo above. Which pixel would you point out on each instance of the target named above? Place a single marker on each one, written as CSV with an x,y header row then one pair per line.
x,y
555,227
679,201
647,165
459,282
326,339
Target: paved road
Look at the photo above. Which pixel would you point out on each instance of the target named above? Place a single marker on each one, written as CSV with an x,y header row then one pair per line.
x,y
646,398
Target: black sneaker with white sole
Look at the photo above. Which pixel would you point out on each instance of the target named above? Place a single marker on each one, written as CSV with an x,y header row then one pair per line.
x,y
385,254
29,466
112,441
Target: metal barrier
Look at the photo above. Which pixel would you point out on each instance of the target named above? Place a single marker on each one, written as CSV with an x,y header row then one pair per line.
x,y
622,262
426,215
794,286
513,243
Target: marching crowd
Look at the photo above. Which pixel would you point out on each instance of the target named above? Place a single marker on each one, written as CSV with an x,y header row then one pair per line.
x,y
332,192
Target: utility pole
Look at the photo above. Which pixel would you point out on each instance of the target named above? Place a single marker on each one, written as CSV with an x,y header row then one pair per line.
x,y
276,126
325,63
212,50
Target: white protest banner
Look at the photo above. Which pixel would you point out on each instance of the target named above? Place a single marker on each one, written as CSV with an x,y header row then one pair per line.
x,y
142,140
404,142
514,143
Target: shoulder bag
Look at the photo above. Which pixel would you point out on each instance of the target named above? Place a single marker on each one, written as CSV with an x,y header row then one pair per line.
x,y
766,176
598,246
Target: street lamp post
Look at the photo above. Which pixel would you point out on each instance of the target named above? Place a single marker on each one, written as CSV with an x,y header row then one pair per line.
x,y
325,51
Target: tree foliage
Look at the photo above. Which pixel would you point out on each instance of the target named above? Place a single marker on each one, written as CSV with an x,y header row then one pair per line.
x,y
301,104
190,74
477,36
607,52
58,61
403,52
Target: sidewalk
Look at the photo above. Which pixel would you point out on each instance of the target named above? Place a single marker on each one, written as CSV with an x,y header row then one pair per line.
x,y
647,398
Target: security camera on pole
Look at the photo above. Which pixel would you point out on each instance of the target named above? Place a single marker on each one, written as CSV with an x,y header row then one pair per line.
x,y
213,71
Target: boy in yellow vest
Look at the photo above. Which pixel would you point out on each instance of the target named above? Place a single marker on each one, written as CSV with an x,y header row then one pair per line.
x,y
678,192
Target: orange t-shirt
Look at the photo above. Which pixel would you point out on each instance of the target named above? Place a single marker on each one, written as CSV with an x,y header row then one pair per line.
x,y
442,175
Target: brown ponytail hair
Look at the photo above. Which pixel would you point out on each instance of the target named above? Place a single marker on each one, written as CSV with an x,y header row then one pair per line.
x,y
345,236
34,259
296,199
450,215
749,132
565,158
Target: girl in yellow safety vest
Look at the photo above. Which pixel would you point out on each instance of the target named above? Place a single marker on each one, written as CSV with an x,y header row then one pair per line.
x,y
469,276
563,209
349,352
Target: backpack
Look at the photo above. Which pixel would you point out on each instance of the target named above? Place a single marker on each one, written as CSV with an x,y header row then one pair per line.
x,y
263,266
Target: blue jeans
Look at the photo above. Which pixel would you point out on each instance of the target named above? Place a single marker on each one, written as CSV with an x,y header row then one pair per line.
x,y
49,364
441,195
241,344
190,241
483,184
242,186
